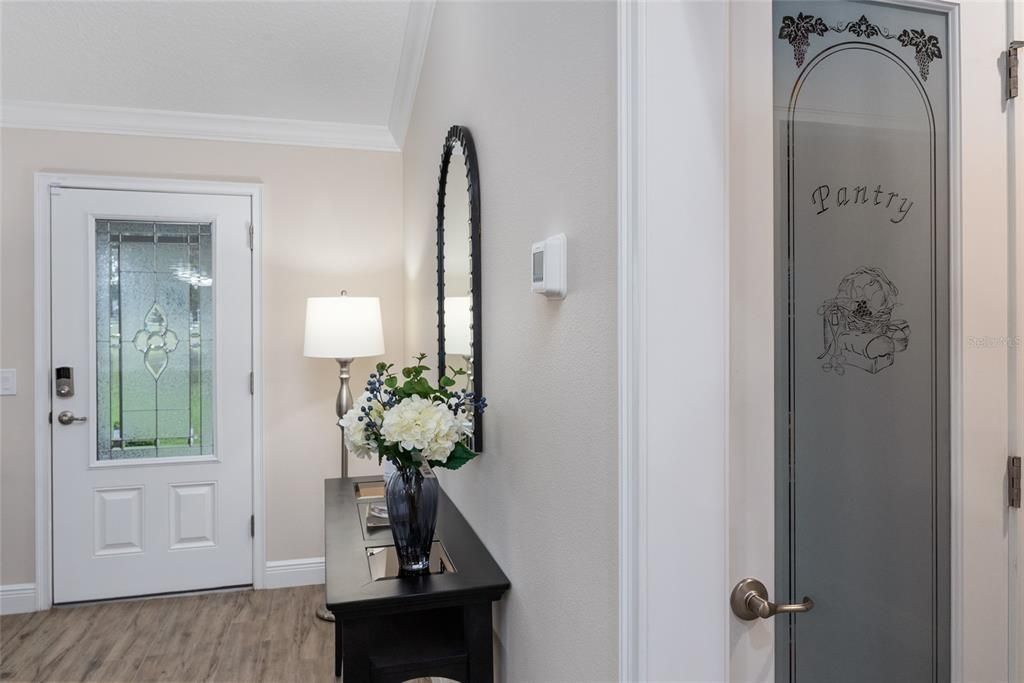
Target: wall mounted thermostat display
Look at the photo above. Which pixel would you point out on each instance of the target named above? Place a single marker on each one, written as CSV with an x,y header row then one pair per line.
x,y
548,267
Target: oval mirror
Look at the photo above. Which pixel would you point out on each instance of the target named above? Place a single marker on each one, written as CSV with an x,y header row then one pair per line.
x,y
458,269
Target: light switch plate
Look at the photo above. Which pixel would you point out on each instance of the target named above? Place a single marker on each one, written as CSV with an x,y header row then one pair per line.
x,y
8,382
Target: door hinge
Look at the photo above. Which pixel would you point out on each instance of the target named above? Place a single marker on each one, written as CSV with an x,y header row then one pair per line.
x,y
250,236
1012,85
1013,483
252,383
252,526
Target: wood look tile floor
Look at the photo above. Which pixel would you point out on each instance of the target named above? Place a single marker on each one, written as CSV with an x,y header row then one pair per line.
x,y
269,635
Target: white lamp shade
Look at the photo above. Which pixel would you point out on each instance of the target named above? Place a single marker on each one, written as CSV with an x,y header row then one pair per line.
x,y
343,327
458,326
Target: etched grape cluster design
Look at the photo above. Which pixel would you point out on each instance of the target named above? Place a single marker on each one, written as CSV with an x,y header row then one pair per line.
x,y
798,31
926,48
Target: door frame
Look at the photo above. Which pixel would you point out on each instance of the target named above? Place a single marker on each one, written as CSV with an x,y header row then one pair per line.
x,y
707,646
685,80
42,345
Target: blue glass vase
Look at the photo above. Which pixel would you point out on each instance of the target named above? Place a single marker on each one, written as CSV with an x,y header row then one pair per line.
x,y
411,494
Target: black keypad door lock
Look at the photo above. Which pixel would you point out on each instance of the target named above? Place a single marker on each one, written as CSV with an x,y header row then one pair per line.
x,y
65,377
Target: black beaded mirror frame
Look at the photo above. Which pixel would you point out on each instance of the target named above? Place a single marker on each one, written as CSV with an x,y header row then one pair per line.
x,y
460,135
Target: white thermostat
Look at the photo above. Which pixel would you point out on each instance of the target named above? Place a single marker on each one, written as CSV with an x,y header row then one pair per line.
x,y
548,263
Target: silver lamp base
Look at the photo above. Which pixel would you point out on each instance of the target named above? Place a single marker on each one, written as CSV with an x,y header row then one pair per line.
x,y
341,406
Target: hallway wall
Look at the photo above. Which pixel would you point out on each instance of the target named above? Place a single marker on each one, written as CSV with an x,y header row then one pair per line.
x,y
332,219
536,85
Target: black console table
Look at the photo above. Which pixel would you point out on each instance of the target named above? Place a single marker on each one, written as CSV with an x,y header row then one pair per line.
x,y
394,629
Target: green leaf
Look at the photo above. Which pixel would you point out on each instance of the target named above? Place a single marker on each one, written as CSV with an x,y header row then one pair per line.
x,y
407,372
459,457
381,367
391,382
418,386
446,381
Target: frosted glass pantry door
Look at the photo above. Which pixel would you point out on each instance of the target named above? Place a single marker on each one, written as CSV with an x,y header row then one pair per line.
x,y
870,186
862,523
152,311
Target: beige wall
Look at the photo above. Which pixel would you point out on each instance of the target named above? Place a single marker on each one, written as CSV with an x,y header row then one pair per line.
x,y
535,83
332,219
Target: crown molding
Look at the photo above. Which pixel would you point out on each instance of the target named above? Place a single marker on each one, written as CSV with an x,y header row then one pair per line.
x,y
174,124
414,48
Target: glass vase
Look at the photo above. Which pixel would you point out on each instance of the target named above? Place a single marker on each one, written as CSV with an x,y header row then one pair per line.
x,y
411,494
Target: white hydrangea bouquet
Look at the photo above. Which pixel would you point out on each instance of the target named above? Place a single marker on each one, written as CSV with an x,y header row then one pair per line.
x,y
410,422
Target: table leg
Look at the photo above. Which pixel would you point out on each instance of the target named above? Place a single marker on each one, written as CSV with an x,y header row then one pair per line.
x,y
478,633
355,643
337,647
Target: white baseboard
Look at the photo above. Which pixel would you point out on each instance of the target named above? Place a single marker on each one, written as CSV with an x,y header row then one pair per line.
x,y
16,598
301,572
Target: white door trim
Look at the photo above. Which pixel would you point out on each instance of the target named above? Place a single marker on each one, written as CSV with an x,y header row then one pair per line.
x,y
41,375
695,99
631,340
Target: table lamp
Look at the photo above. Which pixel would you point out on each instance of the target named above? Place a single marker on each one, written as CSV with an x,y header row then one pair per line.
x,y
343,327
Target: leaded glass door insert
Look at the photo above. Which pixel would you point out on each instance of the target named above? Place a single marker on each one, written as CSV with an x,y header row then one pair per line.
x,y
154,339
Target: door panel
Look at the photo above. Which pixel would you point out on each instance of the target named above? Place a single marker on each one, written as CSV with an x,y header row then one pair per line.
x,y
152,311
862,517
894,357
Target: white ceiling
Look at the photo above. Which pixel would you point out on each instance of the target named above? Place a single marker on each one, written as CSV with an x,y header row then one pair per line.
x,y
332,62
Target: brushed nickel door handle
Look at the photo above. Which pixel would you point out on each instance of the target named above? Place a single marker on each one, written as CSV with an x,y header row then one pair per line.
x,y
66,417
749,600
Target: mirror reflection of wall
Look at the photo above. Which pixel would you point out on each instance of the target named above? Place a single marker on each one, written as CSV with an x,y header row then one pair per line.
x,y
458,319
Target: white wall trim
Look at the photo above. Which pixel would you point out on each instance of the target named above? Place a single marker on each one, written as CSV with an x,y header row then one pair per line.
x,y
43,483
631,312
414,48
177,124
657,118
41,380
16,598
307,571
259,487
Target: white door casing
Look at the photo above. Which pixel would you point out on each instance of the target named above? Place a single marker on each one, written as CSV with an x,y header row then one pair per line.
x,y
123,527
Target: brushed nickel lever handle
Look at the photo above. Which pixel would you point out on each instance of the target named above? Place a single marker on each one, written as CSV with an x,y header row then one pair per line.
x,y
66,417
749,600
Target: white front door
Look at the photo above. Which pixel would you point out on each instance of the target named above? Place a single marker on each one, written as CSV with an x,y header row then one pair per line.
x,y
872,382
152,449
